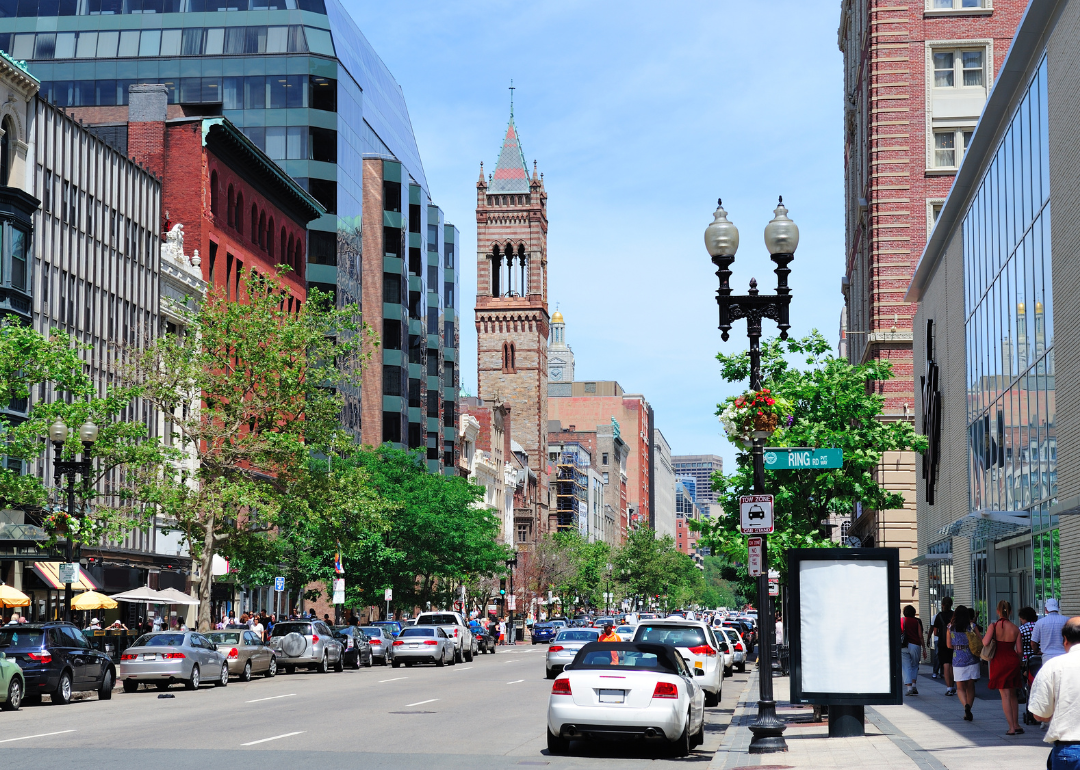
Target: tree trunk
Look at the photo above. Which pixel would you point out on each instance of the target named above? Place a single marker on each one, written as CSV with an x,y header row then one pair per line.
x,y
206,568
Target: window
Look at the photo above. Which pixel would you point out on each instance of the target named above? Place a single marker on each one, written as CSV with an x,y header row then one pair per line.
x,y
605,478
391,380
949,146
522,533
949,5
958,68
604,458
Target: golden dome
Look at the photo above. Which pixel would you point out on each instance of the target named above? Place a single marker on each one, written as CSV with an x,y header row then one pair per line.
x,y
1020,308
557,318
1038,307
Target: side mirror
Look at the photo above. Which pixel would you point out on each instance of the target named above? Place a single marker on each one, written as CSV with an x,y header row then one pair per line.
x,y
213,646
699,672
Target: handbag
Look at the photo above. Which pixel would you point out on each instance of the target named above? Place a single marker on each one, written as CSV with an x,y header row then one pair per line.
x,y
989,650
975,644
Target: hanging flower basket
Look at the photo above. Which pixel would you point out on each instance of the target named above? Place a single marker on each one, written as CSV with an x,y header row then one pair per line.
x,y
753,413
58,523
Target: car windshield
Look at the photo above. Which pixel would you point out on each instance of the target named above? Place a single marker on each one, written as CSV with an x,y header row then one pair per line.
x,y
159,640
21,638
284,629
436,620
224,637
412,631
678,636
578,635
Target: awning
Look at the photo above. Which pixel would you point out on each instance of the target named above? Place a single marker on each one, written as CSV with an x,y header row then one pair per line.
x,y
988,525
49,571
930,558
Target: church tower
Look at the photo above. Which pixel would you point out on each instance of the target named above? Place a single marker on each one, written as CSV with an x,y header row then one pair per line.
x,y
560,359
512,322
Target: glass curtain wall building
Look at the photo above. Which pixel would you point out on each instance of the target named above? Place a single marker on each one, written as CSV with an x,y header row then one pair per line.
x,y
304,84
1010,358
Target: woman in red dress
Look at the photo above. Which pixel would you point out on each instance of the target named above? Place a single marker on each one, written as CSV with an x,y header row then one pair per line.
x,y
1005,665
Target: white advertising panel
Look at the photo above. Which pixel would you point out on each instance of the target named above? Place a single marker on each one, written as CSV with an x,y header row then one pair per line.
x,y
837,658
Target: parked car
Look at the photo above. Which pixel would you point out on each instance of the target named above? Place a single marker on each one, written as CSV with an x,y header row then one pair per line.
x,y
165,657
565,646
424,644
746,630
12,684
737,646
630,690
485,642
698,645
543,632
56,660
357,646
382,643
455,627
308,643
245,652
394,626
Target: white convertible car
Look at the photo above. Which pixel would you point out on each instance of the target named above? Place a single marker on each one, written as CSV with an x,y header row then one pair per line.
x,y
627,690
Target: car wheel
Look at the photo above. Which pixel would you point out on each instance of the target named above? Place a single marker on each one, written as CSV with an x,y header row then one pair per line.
x,y
680,747
534,641
339,666
741,667
551,674
271,670
130,685
453,659
698,738
105,691
711,699
193,682
556,744
396,664
62,694
245,675
14,695
469,656
457,656
324,664
441,662
728,671
359,662
223,680
368,661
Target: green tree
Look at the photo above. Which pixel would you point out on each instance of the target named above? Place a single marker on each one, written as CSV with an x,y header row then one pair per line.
x,y
252,391
836,404
655,567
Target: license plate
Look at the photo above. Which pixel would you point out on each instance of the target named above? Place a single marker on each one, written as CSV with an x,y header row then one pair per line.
x,y
413,646
612,696
698,664
149,657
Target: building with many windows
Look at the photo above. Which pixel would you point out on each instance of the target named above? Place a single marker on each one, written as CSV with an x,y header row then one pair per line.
x,y
301,81
999,487
700,468
916,77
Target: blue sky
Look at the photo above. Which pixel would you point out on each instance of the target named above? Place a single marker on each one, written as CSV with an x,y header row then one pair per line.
x,y
640,115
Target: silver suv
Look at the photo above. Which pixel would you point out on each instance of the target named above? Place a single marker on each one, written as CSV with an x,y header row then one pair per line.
x,y
309,643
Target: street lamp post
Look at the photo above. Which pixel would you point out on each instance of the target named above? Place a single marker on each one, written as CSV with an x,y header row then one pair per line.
x,y
58,434
722,241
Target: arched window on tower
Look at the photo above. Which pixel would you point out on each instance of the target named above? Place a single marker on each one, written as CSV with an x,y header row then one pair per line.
x,y
513,363
496,269
511,287
239,212
523,260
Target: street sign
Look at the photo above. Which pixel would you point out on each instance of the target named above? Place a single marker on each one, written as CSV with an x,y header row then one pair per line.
x,y
69,573
753,568
339,591
774,583
798,458
388,595
279,584
756,514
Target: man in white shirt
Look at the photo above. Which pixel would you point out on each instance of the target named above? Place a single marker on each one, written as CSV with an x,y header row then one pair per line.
x,y
1055,698
1047,632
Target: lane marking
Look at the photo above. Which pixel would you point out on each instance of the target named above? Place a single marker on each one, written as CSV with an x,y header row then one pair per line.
x,y
467,668
272,697
39,735
420,703
516,681
395,679
274,738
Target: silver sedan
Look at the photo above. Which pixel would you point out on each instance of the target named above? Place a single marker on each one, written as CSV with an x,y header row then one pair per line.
x,y
172,656
565,646
423,644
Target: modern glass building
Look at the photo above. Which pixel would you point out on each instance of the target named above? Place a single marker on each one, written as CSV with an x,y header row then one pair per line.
x,y
302,81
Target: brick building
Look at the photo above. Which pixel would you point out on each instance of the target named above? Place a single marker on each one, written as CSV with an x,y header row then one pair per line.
x,y
607,490
512,321
916,77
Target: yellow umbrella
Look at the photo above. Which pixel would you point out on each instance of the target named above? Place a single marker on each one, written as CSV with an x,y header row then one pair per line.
x,y
11,597
92,600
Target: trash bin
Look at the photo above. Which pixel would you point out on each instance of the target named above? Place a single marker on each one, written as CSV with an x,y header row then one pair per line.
x,y
780,662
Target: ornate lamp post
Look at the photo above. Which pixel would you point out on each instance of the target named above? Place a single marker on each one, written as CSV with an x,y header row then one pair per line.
x,y
722,241
58,434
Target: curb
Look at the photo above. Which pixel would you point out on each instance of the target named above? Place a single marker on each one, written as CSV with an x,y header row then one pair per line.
x,y
733,749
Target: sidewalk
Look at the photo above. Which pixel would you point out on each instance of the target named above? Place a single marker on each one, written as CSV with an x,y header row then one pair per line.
x,y
926,733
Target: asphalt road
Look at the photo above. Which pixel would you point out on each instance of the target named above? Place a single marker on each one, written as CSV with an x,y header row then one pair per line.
x,y
486,714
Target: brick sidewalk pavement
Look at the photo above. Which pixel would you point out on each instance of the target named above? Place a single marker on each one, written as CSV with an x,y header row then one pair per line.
x,y
926,733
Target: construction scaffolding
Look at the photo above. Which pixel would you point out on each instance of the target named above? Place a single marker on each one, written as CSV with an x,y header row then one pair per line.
x,y
572,488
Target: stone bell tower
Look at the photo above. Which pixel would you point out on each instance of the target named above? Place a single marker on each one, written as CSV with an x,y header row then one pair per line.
x,y
512,320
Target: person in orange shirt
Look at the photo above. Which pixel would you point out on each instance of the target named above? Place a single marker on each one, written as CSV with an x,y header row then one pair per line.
x,y
609,635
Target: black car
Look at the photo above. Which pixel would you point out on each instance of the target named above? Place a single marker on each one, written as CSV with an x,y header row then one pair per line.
x,y
357,646
485,643
746,630
57,660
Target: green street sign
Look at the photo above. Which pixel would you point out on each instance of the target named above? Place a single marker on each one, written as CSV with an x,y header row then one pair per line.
x,y
799,458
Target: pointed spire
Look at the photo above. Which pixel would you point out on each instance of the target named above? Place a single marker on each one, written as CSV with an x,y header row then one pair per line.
x,y
535,178
511,172
481,181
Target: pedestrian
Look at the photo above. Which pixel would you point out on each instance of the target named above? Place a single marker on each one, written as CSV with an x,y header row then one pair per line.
x,y
258,629
1028,618
935,638
1046,636
944,654
966,666
159,624
180,624
1055,698
95,623
502,631
913,651
1005,663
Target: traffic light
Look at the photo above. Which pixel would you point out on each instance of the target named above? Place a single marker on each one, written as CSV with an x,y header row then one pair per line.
x,y
502,586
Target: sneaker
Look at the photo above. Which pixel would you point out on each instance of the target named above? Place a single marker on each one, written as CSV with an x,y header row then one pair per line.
x,y
914,691
934,676
951,691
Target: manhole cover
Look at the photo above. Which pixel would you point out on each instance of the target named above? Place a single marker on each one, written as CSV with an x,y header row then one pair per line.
x,y
412,712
